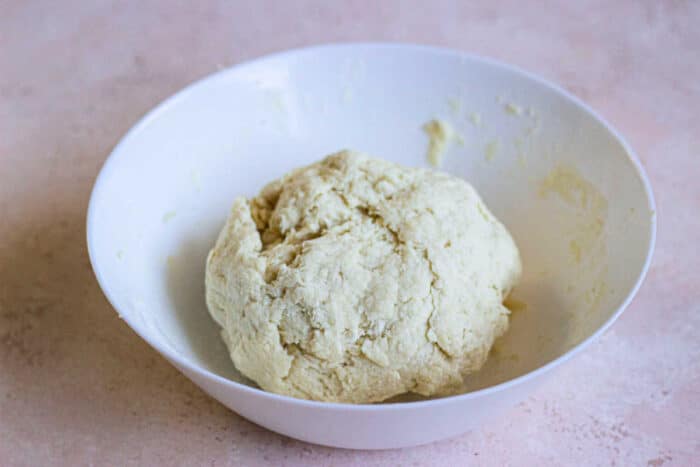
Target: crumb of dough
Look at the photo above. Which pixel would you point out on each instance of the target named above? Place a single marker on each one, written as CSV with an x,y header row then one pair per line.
x,y
168,216
355,280
475,118
491,150
513,109
440,134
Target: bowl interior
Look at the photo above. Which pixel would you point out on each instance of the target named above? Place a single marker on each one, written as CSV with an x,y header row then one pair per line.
x,y
559,179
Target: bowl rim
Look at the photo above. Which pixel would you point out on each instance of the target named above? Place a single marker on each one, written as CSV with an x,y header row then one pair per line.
x,y
184,364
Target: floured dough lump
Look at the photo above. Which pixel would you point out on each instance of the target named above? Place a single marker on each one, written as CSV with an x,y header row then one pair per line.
x,y
355,279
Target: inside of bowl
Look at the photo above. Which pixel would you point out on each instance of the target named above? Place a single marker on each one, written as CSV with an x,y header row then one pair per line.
x,y
557,177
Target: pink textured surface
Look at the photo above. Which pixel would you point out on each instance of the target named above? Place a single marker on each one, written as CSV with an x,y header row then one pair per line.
x,y
78,387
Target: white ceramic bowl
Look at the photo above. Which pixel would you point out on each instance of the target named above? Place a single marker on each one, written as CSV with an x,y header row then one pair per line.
x,y
563,181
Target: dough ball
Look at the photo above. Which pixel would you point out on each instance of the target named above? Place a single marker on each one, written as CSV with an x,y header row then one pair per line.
x,y
356,279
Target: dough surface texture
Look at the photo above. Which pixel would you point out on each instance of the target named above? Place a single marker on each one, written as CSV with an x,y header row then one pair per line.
x,y
355,279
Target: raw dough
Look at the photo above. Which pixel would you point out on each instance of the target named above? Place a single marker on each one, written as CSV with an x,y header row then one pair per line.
x,y
356,279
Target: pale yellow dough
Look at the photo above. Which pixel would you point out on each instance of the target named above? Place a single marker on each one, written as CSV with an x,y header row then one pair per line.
x,y
356,279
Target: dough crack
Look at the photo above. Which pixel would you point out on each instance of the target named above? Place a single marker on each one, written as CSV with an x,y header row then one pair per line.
x,y
430,332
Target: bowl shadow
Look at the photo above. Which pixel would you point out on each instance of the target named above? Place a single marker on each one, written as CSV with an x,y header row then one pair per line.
x,y
186,292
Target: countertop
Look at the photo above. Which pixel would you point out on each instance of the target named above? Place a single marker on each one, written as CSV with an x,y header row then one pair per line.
x,y
78,387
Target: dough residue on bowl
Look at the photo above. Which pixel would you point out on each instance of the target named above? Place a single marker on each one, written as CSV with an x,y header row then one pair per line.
x,y
356,279
440,135
573,189
585,241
